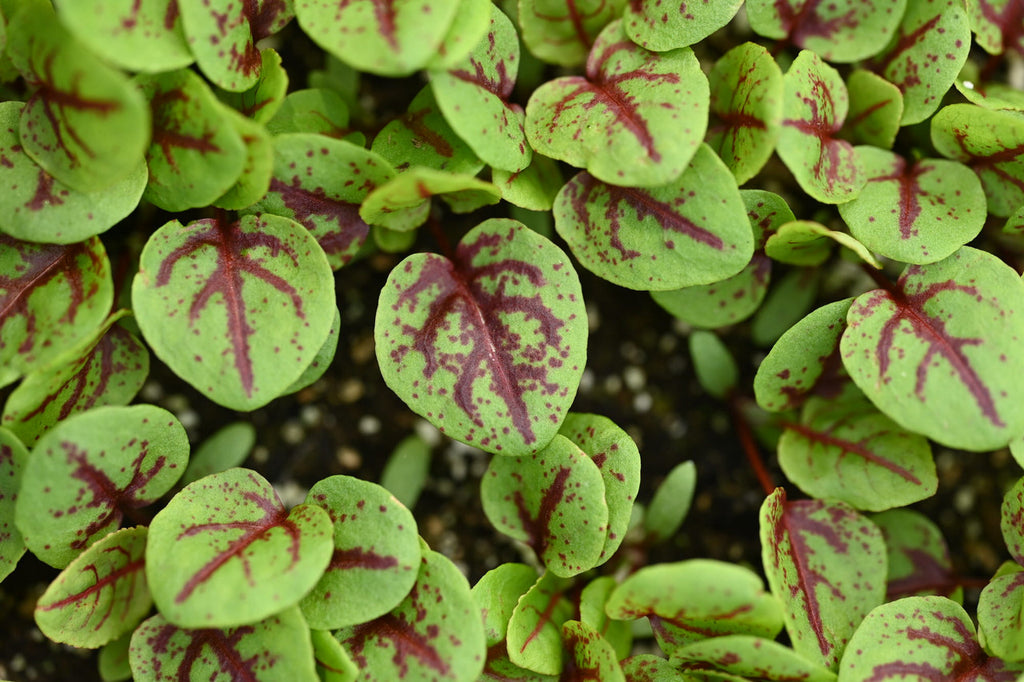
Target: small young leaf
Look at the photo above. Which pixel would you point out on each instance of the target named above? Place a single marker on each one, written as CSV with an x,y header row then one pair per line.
x,y
13,456
533,188
111,461
375,559
407,469
500,332
876,107
716,368
671,502
254,180
535,629
226,448
403,203
618,633
314,111
750,658
786,303
805,242
497,593
648,107
226,552
333,664
101,595
590,654
679,24
262,101
919,561
112,660
560,32
276,649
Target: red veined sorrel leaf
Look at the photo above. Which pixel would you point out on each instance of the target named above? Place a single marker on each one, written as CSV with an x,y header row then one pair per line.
x,y
276,649
240,309
915,213
37,207
434,635
222,34
648,107
110,462
376,554
591,656
998,25
403,203
13,456
826,564
929,638
225,551
554,501
814,108
658,25
563,31
262,101
749,658
918,557
321,182
108,368
468,28
938,352
876,107
689,232
84,122
474,93
534,639
842,31
101,595
490,346
385,37
145,35
51,298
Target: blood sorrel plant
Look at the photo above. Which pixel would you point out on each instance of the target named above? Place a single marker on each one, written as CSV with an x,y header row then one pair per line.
x,y
834,189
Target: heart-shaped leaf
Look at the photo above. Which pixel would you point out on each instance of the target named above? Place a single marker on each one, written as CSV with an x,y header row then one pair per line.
x,y
814,107
435,634
563,31
651,24
996,25
111,461
915,213
931,638
749,658
689,232
277,649
37,207
938,351
490,346
261,101
13,456
826,563
258,293
403,203
845,31
535,628
376,554
474,97
225,551
108,368
591,656
101,595
919,561
876,108
648,107
385,37
84,122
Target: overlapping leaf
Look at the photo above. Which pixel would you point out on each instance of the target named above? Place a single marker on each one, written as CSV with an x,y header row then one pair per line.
x,y
225,551
876,108
938,351
651,668
403,203
749,658
254,179
321,361
593,599
489,346
662,26
316,110
535,628
533,188
263,99
562,31
12,461
590,655
1001,602
919,560
333,664
635,119
496,594
257,293
468,28
996,25
808,243
111,461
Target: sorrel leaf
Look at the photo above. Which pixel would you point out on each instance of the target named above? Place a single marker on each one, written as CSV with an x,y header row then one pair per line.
x,y
226,448
37,207
333,664
262,101
653,25
562,32
385,37
112,660
321,361
937,351
1011,518
376,554
490,346
108,368
786,302
651,668
688,601
13,456
593,598
814,107
996,25
407,470
84,122
146,36
916,212
845,31
999,613
196,153
315,110
715,366
925,56
258,294
749,658
591,656
111,461
474,97
992,144
276,649
51,298
320,183
535,628
554,501
252,183
648,107
876,108
671,503
746,107
931,638
101,595
533,188
826,564
918,557
225,551
496,595
805,242
435,634
843,449
689,232
403,203
469,26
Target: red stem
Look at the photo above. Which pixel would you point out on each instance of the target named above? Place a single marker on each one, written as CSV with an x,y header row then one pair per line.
x,y
750,446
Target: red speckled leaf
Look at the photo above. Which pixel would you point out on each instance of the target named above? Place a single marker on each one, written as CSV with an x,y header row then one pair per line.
x,y
489,346
253,182
562,31
665,25
225,551
1000,609
591,656
535,628
826,563
876,107
651,668
262,101
997,24
919,560
1012,521
497,595
13,456
403,203
315,110
749,658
